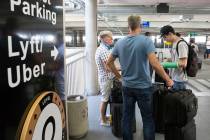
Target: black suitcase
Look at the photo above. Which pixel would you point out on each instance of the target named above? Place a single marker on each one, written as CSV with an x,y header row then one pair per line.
x,y
116,112
187,132
180,107
116,92
159,94
160,79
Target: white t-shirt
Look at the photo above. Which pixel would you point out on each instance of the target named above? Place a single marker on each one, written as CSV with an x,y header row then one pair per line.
x,y
178,73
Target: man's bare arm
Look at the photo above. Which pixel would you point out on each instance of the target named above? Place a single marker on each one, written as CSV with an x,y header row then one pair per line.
x,y
110,65
182,62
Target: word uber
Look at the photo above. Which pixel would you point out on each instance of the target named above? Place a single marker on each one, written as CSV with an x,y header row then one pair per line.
x,y
14,73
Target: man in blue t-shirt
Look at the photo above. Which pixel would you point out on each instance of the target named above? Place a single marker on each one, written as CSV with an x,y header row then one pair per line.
x,y
135,52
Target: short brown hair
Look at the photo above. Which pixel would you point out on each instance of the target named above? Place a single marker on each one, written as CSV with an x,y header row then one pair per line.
x,y
134,22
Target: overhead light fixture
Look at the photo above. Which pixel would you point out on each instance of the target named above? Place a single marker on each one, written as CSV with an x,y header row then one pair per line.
x,y
162,8
188,16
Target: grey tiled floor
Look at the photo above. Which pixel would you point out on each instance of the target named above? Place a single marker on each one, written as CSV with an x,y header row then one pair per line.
x,y
97,132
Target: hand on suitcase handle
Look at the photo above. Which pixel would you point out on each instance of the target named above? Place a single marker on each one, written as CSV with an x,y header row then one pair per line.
x,y
169,83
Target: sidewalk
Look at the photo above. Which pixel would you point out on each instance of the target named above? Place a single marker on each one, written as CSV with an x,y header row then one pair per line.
x,y
206,61
204,73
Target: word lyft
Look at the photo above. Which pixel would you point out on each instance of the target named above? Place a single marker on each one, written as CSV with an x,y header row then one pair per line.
x,y
14,74
34,10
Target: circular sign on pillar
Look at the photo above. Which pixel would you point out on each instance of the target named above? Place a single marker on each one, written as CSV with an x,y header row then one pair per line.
x,y
45,120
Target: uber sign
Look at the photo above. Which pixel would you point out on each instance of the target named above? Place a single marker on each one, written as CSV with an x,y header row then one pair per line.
x,y
31,66
27,72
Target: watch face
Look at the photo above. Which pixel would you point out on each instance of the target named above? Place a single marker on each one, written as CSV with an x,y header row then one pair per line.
x,y
45,119
31,63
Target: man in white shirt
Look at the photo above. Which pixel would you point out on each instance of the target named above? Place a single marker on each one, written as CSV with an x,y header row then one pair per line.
x,y
179,53
105,78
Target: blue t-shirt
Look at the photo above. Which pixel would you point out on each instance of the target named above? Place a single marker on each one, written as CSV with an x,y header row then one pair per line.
x,y
132,52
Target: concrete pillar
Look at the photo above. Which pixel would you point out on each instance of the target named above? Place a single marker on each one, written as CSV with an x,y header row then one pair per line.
x,y
75,38
91,81
81,39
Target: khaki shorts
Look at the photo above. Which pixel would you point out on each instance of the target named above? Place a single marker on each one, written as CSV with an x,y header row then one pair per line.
x,y
105,88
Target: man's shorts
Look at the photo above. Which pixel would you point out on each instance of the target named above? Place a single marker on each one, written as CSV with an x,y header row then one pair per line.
x,y
105,88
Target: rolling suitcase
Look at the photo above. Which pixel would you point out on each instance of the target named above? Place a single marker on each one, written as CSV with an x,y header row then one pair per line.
x,y
116,92
158,106
159,79
116,109
180,107
187,132
116,112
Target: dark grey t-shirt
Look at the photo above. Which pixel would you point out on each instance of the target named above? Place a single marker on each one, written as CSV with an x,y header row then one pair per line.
x,y
132,52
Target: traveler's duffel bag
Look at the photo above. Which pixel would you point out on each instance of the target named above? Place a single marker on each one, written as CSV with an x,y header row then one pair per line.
x,y
187,132
180,107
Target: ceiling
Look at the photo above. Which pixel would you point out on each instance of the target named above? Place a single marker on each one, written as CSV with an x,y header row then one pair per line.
x,y
155,2
184,15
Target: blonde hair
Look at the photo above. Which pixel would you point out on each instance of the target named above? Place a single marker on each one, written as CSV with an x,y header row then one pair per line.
x,y
103,34
134,22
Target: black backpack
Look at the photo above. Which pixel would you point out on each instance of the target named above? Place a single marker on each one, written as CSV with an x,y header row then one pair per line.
x,y
192,60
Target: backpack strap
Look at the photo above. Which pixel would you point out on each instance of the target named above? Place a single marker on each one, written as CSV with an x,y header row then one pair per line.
x,y
182,40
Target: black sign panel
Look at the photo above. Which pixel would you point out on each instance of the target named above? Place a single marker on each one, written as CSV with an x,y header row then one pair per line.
x,y
31,58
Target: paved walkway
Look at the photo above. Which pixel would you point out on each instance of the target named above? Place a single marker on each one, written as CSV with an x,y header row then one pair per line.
x,y
200,84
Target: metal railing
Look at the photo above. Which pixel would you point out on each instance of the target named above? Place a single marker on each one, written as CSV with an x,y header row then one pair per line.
x,y
75,77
